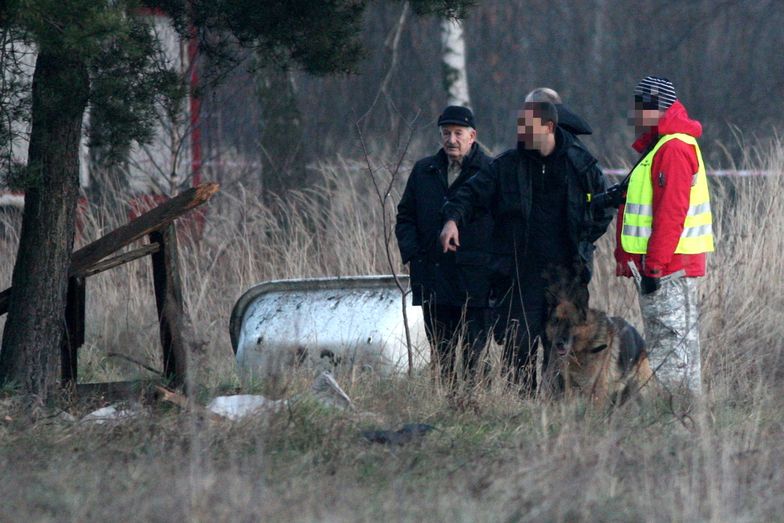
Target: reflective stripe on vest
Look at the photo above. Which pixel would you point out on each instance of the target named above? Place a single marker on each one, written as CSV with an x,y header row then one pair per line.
x,y
697,235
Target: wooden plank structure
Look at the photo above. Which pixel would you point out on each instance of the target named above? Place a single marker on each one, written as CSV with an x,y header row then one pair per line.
x,y
158,225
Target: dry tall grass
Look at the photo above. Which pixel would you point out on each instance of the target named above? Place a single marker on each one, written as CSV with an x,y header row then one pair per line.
x,y
499,458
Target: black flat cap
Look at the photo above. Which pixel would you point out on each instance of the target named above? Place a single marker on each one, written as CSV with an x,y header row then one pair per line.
x,y
457,115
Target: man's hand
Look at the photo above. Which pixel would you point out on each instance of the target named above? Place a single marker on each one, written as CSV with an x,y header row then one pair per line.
x,y
613,197
450,238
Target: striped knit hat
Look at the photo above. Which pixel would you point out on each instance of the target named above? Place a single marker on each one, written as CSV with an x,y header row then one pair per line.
x,y
655,93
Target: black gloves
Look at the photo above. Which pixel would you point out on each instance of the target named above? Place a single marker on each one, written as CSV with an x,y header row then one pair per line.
x,y
649,285
613,197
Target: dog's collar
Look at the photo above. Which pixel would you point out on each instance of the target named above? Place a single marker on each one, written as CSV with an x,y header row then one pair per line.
x,y
600,348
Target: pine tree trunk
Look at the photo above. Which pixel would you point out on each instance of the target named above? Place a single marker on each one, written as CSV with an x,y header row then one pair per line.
x,y
454,63
34,328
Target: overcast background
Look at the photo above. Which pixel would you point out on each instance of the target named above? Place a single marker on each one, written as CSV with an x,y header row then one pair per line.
x,y
724,58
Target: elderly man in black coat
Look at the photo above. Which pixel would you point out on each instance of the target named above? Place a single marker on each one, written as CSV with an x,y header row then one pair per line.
x,y
452,288
539,194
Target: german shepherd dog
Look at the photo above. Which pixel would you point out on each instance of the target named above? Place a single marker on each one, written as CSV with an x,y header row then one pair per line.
x,y
599,357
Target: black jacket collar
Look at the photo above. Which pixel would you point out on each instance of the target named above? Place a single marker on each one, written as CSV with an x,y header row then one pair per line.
x,y
472,159
563,140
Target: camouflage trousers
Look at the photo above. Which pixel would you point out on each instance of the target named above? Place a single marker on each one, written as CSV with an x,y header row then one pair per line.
x,y
672,334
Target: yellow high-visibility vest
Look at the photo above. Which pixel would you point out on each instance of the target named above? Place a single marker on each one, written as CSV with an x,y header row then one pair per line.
x,y
697,236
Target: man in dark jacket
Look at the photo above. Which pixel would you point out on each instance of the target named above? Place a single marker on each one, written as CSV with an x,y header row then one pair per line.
x,y
452,288
539,194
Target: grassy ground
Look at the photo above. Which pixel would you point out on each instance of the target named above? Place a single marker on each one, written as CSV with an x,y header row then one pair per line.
x,y
505,459
495,458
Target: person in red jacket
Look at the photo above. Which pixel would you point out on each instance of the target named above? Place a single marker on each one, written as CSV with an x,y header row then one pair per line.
x,y
664,231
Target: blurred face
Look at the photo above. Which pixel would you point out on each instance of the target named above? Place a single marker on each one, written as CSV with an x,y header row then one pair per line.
x,y
457,140
531,131
645,116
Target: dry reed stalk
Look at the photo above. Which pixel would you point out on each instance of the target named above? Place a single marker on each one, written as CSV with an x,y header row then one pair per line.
x,y
504,459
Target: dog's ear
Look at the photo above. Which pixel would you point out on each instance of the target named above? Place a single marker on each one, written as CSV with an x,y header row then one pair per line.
x,y
578,290
551,297
581,297
554,292
582,314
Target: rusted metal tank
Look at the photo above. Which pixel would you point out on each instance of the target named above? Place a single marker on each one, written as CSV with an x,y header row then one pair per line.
x,y
356,321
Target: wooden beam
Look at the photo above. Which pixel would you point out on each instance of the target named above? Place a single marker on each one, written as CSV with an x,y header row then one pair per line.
x,y
153,220
120,259
99,267
74,329
184,403
117,390
171,308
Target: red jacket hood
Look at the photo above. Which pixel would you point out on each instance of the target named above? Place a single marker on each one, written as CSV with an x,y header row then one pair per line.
x,y
675,120
661,259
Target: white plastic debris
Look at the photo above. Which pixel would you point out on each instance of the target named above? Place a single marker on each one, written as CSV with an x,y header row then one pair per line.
x,y
327,391
108,414
239,406
66,417
324,389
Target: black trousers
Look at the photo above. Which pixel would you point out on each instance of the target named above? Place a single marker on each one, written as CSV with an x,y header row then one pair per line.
x,y
519,316
449,327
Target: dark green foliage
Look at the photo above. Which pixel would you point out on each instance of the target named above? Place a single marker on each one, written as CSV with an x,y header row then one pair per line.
x,y
130,80
280,133
127,73
449,8
15,175
14,99
101,55
321,37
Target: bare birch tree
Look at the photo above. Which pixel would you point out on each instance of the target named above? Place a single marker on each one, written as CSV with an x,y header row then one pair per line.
x,y
453,60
